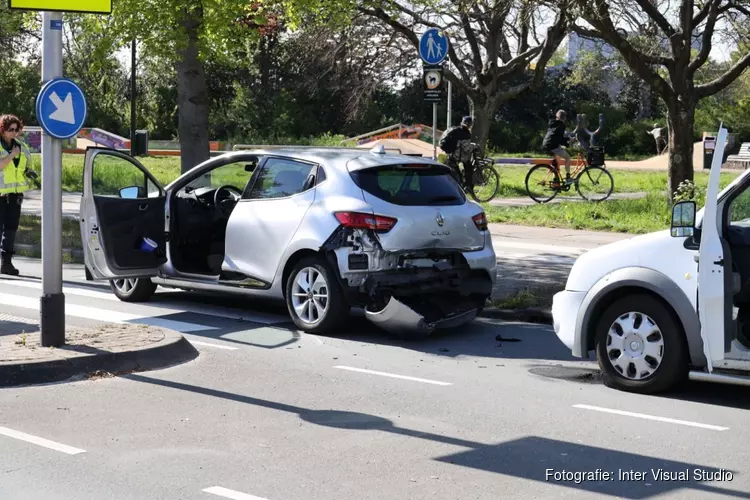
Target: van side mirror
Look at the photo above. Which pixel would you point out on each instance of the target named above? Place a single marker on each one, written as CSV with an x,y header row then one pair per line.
x,y
683,219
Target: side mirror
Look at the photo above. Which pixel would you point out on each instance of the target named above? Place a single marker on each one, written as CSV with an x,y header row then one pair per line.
x,y
131,192
683,219
250,167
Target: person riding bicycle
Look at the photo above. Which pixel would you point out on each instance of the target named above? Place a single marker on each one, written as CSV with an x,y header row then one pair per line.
x,y
456,143
556,138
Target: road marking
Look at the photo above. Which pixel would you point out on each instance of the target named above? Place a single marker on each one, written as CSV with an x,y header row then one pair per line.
x,y
40,441
651,417
404,377
254,317
234,495
105,315
207,344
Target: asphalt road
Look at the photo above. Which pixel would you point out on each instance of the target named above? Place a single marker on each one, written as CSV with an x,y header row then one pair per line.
x,y
267,413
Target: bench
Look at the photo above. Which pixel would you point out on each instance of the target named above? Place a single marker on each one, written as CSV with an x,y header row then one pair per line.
x,y
741,160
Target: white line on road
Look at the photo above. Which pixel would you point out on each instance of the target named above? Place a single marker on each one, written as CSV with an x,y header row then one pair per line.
x,y
40,441
651,417
404,377
255,316
207,344
104,315
234,495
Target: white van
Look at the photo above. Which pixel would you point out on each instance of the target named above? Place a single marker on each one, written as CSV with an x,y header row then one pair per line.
x,y
663,307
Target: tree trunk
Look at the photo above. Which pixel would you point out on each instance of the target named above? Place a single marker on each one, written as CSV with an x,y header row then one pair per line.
x,y
482,114
192,98
681,118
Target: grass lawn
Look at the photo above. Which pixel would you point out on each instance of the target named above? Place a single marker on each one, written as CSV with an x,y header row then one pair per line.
x,y
164,168
30,232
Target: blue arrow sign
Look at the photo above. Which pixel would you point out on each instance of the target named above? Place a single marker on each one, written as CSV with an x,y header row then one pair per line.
x,y
61,108
433,46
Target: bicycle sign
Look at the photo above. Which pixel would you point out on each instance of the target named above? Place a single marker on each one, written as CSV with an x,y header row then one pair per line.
x,y
433,46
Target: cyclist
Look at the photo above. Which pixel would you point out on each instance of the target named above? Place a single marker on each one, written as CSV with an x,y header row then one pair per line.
x,y
456,143
555,138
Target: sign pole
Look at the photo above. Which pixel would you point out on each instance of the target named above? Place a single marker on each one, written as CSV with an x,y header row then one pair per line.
x,y
132,98
433,49
52,307
434,131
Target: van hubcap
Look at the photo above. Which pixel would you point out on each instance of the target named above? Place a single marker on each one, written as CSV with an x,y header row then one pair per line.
x,y
310,295
635,345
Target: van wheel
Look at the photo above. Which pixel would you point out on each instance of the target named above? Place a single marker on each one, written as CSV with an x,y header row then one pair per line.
x,y
133,289
314,297
640,346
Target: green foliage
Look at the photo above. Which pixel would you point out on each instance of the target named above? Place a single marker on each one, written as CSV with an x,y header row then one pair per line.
x,y
688,191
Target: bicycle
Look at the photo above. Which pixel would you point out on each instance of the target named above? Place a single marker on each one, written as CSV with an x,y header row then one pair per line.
x,y
590,167
486,178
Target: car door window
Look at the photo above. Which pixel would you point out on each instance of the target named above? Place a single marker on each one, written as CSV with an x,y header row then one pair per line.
x,y
118,177
236,174
280,178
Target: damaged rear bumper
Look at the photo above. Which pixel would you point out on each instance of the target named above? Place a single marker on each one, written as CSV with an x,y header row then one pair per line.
x,y
418,303
418,290
398,318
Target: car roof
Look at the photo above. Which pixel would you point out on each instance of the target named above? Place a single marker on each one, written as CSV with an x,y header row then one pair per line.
x,y
336,157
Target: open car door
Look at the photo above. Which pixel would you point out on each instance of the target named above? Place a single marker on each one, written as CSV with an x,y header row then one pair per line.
x,y
122,217
714,267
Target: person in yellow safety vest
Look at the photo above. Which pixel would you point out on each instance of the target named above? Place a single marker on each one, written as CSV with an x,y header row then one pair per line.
x,y
15,160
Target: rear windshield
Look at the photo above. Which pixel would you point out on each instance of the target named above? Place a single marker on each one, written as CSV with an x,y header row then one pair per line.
x,y
411,184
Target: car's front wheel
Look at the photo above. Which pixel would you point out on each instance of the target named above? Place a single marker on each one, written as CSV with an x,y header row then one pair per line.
x,y
640,347
314,297
133,289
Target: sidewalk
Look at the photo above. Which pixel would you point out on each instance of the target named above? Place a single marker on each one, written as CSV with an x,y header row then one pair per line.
x,y
105,349
531,280
32,203
569,238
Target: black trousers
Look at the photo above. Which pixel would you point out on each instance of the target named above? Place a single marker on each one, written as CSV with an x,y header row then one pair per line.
x,y
10,215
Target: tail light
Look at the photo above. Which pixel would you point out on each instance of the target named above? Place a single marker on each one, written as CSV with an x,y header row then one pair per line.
x,y
358,220
480,221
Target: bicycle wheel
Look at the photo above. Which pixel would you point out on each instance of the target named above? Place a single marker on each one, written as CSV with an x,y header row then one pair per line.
x,y
599,179
486,184
539,183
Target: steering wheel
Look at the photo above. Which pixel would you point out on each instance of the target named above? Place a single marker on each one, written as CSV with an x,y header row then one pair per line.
x,y
221,202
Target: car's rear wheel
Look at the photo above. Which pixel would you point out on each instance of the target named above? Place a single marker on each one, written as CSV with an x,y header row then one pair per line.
x,y
314,297
640,347
133,289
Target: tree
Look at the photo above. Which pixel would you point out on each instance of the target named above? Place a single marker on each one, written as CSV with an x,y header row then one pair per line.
x,y
492,44
186,33
662,54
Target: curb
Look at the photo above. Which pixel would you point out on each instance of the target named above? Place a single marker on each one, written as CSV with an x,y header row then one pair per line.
x,y
173,350
530,315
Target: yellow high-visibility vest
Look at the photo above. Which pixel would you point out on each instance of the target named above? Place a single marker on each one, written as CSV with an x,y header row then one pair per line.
x,y
12,178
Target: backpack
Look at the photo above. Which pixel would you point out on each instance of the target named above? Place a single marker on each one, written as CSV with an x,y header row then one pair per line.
x,y
448,141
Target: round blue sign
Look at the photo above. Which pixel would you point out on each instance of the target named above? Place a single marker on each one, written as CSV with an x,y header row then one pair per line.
x,y
61,108
433,46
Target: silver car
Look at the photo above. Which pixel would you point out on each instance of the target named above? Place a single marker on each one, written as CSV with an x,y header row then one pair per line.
x,y
324,229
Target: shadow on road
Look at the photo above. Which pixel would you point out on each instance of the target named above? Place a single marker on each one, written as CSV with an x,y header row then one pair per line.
x,y
531,457
729,396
